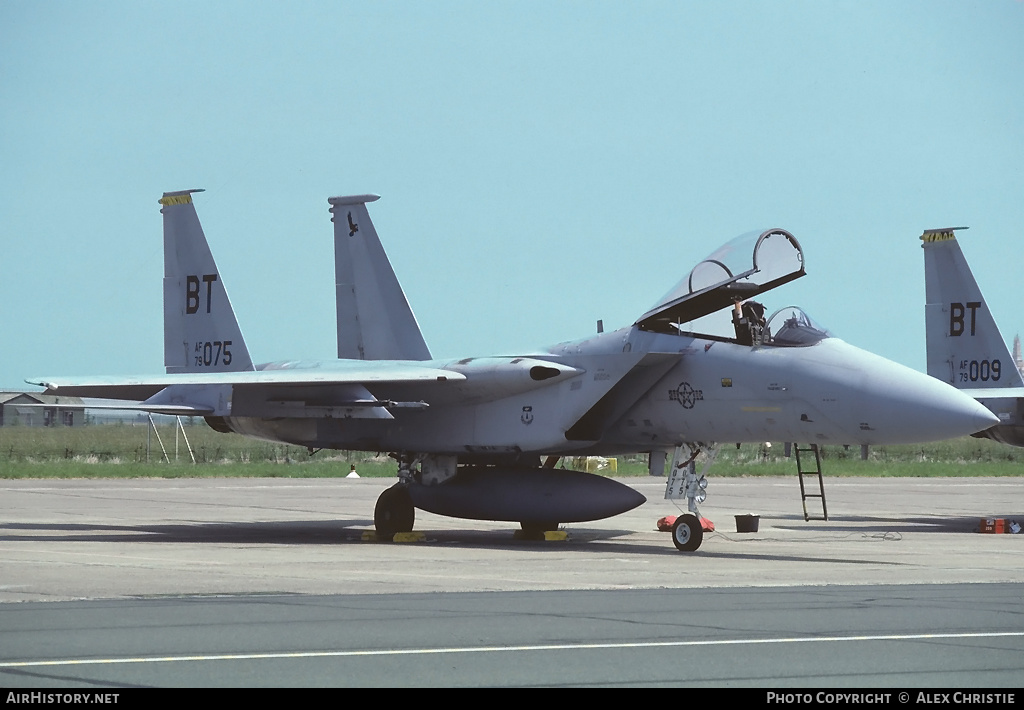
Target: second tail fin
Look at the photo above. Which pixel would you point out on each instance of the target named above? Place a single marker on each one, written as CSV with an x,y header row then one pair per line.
x,y
375,321
964,345
201,333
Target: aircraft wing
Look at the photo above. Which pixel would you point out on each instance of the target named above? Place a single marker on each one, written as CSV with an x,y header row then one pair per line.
x,y
750,264
311,389
143,387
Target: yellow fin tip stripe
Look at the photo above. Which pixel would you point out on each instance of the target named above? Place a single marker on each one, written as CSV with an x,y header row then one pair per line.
x,y
176,200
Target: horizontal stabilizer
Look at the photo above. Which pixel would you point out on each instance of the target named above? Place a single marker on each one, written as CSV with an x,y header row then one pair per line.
x,y
988,393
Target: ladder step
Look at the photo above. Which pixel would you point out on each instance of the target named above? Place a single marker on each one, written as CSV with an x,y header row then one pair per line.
x,y
803,473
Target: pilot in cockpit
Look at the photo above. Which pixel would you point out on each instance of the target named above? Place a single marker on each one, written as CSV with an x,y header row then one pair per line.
x,y
748,320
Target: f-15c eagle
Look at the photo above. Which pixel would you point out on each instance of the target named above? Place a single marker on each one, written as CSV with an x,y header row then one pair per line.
x,y
478,437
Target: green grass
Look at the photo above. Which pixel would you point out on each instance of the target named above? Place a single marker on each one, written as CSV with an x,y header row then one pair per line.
x,y
257,469
127,451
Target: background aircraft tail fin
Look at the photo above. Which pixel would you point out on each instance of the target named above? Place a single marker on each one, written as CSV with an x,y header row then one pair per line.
x,y
375,321
964,345
201,333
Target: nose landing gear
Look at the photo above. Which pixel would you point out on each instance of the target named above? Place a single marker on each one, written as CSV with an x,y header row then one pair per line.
x,y
684,482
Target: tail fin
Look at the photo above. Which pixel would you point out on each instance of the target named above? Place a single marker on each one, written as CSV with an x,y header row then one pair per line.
x,y
964,346
375,321
201,333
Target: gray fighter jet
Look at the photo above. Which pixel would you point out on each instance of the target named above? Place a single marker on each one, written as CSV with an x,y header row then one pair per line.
x,y
964,346
479,437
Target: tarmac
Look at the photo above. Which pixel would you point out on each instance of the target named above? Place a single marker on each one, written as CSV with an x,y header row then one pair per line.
x,y
114,539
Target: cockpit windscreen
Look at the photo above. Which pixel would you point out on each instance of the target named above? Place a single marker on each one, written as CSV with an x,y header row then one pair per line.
x,y
792,327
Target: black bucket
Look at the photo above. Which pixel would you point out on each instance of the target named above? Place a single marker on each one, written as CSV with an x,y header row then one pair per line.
x,y
747,523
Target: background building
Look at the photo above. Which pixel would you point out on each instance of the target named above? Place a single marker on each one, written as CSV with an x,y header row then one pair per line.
x,y
34,409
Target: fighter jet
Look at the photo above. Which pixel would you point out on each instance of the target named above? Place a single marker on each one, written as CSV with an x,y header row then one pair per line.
x,y
479,437
964,346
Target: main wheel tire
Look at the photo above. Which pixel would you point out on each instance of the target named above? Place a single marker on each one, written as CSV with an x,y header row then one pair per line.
x,y
394,512
535,531
687,533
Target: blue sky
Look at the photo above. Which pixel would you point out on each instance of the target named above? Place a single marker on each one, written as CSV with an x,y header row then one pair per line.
x,y
541,164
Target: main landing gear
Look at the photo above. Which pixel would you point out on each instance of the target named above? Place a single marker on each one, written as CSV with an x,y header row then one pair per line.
x,y
533,530
394,512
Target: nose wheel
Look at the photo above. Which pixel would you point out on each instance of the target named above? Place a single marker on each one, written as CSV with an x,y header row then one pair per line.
x,y
687,533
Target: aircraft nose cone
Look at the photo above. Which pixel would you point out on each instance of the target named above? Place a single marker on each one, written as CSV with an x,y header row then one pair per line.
x,y
938,411
911,407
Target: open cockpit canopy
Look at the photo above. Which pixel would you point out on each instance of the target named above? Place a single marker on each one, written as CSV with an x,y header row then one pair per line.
x,y
750,264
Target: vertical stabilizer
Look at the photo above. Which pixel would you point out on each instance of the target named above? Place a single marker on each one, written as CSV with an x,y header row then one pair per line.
x,y
375,321
964,346
201,333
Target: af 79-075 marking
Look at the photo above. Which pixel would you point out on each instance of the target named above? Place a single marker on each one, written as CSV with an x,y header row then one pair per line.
x,y
478,437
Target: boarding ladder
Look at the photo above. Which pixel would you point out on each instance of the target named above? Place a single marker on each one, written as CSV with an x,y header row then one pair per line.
x,y
811,472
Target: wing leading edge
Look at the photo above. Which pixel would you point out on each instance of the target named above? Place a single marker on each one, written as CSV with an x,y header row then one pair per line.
x,y
339,373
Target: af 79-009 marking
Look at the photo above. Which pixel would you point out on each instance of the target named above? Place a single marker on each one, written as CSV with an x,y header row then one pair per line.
x,y
470,434
965,347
